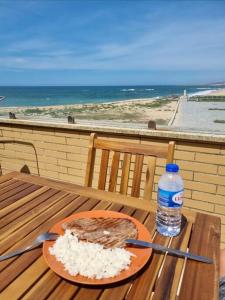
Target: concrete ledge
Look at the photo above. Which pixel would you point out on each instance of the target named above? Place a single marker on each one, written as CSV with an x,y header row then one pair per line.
x,y
156,134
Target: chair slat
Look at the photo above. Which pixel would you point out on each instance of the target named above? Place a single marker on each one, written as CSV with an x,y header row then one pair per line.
x,y
149,178
125,173
103,169
135,192
158,151
114,171
91,161
170,154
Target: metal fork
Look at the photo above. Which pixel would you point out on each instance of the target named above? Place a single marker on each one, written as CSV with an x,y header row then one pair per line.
x,y
47,236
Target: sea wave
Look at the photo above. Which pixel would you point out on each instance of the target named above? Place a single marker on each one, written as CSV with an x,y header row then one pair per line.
x,y
127,90
149,89
201,93
203,88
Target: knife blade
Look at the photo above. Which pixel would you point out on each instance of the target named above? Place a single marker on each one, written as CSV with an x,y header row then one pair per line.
x,y
169,250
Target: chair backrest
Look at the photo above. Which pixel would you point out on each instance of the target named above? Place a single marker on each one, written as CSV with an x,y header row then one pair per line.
x,y
124,155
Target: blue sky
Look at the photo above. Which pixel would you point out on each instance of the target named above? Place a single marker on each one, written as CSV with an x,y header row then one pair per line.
x,y
71,42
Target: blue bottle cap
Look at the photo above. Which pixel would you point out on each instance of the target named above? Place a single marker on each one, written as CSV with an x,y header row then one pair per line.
x,y
172,168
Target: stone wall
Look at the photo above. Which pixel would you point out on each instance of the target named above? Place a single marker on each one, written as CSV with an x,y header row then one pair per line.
x,y
60,152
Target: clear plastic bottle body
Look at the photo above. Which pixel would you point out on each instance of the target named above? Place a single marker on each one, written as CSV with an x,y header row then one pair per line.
x,y
170,199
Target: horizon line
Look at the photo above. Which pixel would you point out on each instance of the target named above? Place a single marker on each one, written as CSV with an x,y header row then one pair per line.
x,y
110,85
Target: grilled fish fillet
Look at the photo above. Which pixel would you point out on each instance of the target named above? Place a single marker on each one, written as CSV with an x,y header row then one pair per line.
x,y
110,232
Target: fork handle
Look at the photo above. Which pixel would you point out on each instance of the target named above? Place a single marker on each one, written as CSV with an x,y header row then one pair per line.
x,y
20,251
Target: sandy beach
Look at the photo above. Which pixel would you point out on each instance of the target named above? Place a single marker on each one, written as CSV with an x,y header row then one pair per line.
x,y
220,92
211,92
138,111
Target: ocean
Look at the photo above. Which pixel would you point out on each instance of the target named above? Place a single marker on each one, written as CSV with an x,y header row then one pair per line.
x,y
61,95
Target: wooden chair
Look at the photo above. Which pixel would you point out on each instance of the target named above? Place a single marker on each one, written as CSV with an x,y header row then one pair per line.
x,y
122,156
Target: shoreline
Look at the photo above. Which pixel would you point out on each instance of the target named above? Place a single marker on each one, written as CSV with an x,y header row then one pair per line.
x,y
207,92
128,101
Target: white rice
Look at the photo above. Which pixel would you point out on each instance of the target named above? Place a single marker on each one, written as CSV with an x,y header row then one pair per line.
x,y
89,259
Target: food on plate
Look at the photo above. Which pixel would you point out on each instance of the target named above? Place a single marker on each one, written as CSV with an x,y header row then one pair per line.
x,y
109,232
93,247
89,259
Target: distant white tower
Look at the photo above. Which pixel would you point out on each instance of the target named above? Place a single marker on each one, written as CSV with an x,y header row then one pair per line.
x,y
186,95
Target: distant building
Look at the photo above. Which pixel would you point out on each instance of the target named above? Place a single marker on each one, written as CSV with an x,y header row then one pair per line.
x,y
185,95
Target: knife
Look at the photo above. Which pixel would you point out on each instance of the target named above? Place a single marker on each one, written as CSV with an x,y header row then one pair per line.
x,y
170,250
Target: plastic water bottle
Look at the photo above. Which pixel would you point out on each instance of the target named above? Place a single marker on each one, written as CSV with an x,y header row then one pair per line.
x,y
170,201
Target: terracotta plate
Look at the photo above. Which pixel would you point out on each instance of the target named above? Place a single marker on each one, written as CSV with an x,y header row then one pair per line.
x,y
138,262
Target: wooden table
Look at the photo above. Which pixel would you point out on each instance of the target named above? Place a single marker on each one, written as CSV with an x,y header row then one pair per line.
x,y
30,205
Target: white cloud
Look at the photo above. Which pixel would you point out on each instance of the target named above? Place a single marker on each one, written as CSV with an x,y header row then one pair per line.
x,y
177,46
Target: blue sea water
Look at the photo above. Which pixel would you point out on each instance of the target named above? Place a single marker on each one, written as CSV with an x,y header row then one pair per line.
x,y
60,95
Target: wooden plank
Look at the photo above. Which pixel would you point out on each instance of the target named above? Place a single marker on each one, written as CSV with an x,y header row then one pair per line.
x,y
8,176
115,292
65,290
88,293
180,263
14,269
115,207
103,170
125,173
167,275
18,193
135,191
99,194
144,217
114,171
6,183
149,178
90,161
5,211
158,151
102,205
27,278
21,217
43,286
201,280
11,216
4,192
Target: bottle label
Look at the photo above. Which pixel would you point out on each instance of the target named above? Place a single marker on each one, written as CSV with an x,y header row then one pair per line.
x,y
170,199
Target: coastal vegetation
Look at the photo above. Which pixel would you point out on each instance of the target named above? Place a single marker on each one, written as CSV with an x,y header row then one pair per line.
x,y
133,111
219,121
30,111
206,98
216,108
93,110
